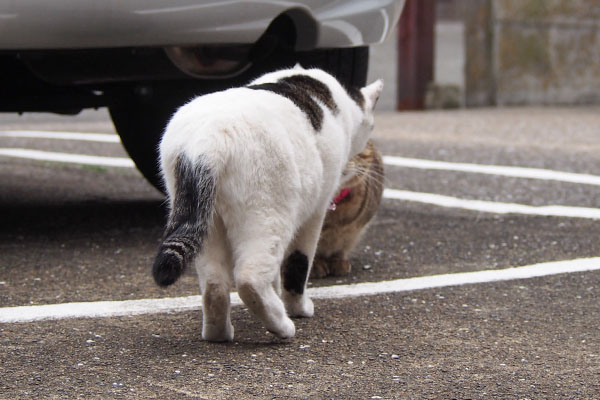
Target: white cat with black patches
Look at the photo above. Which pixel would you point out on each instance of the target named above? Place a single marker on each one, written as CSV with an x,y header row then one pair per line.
x,y
250,173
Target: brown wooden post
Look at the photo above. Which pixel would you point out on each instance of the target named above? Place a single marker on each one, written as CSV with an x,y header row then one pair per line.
x,y
415,53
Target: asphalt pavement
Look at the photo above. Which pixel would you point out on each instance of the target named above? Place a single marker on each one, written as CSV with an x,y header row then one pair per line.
x,y
87,233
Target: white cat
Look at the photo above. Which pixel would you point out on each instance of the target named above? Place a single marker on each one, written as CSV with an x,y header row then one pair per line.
x,y
250,173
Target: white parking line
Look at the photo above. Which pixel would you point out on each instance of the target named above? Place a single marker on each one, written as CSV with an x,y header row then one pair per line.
x,y
67,157
492,206
101,309
515,172
419,197
510,171
89,137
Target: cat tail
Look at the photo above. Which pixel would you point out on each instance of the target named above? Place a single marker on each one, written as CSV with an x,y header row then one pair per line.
x,y
189,219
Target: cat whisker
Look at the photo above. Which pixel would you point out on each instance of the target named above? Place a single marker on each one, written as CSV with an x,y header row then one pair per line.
x,y
370,174
378,177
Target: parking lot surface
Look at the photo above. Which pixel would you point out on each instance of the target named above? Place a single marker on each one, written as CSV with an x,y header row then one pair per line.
x,y
470,195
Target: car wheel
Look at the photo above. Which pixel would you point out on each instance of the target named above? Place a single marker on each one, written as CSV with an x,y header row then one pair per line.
x,y
141,112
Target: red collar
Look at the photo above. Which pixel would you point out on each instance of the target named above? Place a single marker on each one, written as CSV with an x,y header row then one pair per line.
x,y
338,199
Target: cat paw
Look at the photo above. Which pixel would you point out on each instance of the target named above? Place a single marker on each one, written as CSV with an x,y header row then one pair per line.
x,y
319,268
285,329
214,333
340,267
300,306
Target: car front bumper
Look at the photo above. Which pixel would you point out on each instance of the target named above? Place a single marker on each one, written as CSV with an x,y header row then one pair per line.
x,y
85,24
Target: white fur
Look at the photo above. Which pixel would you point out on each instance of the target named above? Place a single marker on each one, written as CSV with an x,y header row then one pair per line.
x,y
275,178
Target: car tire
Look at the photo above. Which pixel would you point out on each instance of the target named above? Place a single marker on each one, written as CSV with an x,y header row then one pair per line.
x,y
141,112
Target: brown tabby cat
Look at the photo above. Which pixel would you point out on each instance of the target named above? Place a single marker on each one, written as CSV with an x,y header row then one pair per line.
x,y
349,214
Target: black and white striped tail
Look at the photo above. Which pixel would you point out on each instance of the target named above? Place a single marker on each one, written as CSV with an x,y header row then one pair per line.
x,y
189,220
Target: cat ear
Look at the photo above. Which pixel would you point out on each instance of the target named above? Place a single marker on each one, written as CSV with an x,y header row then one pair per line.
x,y
373,91
298,66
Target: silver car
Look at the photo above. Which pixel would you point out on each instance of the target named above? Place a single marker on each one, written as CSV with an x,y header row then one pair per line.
x,y
144,58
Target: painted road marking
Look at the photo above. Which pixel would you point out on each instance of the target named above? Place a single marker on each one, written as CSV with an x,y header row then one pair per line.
x,y
491,206
101,309
89,137
67,157
502,170
419,197
515,172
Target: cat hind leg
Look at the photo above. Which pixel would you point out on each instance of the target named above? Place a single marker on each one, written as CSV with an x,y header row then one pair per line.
x,y
216,320
256,277
295,274
214,267
296,268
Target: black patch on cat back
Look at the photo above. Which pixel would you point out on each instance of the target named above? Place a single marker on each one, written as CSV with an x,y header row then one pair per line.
x,y
314,88
188,220
301,99
302,90
295,272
